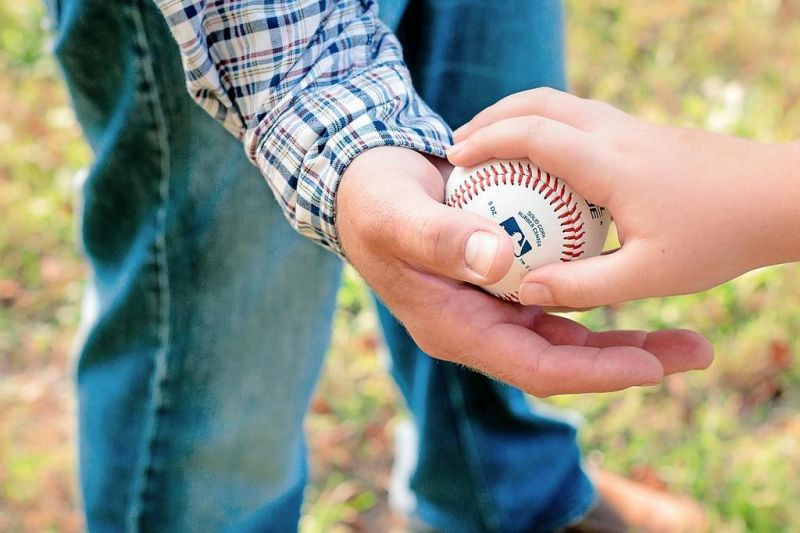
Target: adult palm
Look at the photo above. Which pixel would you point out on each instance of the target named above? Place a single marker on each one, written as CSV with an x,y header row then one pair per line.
x,y
418,255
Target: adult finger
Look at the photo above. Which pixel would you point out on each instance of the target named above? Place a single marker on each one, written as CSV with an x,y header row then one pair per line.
x,y
678,350
498,341
531,363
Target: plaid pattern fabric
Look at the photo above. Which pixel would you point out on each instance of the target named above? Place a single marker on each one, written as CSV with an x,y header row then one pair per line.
x,y
307,85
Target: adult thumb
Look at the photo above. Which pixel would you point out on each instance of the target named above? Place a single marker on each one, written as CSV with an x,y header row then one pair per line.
x,y
453,243
591,282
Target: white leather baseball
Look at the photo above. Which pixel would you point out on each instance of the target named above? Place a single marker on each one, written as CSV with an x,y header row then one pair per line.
x,y
547,220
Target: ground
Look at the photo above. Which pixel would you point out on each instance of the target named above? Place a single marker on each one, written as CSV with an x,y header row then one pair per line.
x,y
729,437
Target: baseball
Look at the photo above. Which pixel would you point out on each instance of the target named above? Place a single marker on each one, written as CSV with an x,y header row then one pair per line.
x,y
547,220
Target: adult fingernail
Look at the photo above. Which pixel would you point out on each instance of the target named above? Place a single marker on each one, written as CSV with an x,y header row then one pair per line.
x,y
453,150
480,252
535,294
461,130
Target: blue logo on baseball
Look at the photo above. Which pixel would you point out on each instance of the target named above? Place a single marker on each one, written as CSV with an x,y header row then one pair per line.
x,y
512,228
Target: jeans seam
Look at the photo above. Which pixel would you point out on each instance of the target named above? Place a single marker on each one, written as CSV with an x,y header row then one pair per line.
x,y
488,513
158,402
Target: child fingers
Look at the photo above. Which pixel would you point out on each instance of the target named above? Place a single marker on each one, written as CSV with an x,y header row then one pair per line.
x,y
558,148
546,102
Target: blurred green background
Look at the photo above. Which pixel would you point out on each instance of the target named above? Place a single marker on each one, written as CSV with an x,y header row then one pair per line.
x,y
729,436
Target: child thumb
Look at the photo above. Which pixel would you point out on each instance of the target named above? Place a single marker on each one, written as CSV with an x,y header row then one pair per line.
x,y
591,282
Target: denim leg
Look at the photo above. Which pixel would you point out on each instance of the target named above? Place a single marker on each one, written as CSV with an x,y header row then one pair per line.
x,y
486,461
464,55
206,317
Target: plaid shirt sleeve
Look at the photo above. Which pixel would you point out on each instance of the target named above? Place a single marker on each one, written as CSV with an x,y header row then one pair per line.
x,y
307,85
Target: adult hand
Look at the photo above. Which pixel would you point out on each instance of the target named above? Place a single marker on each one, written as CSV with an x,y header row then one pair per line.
x,y
693,209
417,253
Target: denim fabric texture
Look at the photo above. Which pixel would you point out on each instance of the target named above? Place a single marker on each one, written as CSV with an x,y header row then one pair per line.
x,y
206,317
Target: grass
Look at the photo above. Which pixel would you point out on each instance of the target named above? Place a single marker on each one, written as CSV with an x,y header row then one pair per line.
x,y
729,436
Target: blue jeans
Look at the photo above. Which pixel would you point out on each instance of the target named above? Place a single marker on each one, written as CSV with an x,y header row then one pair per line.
x,y
206,318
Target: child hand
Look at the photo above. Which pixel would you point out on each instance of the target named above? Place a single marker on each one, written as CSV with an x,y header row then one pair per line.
x,y
693,209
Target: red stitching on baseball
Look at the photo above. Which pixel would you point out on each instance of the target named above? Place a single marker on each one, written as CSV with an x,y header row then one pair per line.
x,y
509,297
567,209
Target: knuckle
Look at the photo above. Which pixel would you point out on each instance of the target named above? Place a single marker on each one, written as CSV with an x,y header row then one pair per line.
x,y
534,126
511,99
578,293
621,144
481,137
604,107
430,239
545,94
440,242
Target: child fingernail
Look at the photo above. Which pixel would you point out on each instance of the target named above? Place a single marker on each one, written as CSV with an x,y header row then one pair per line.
x,y
535,294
